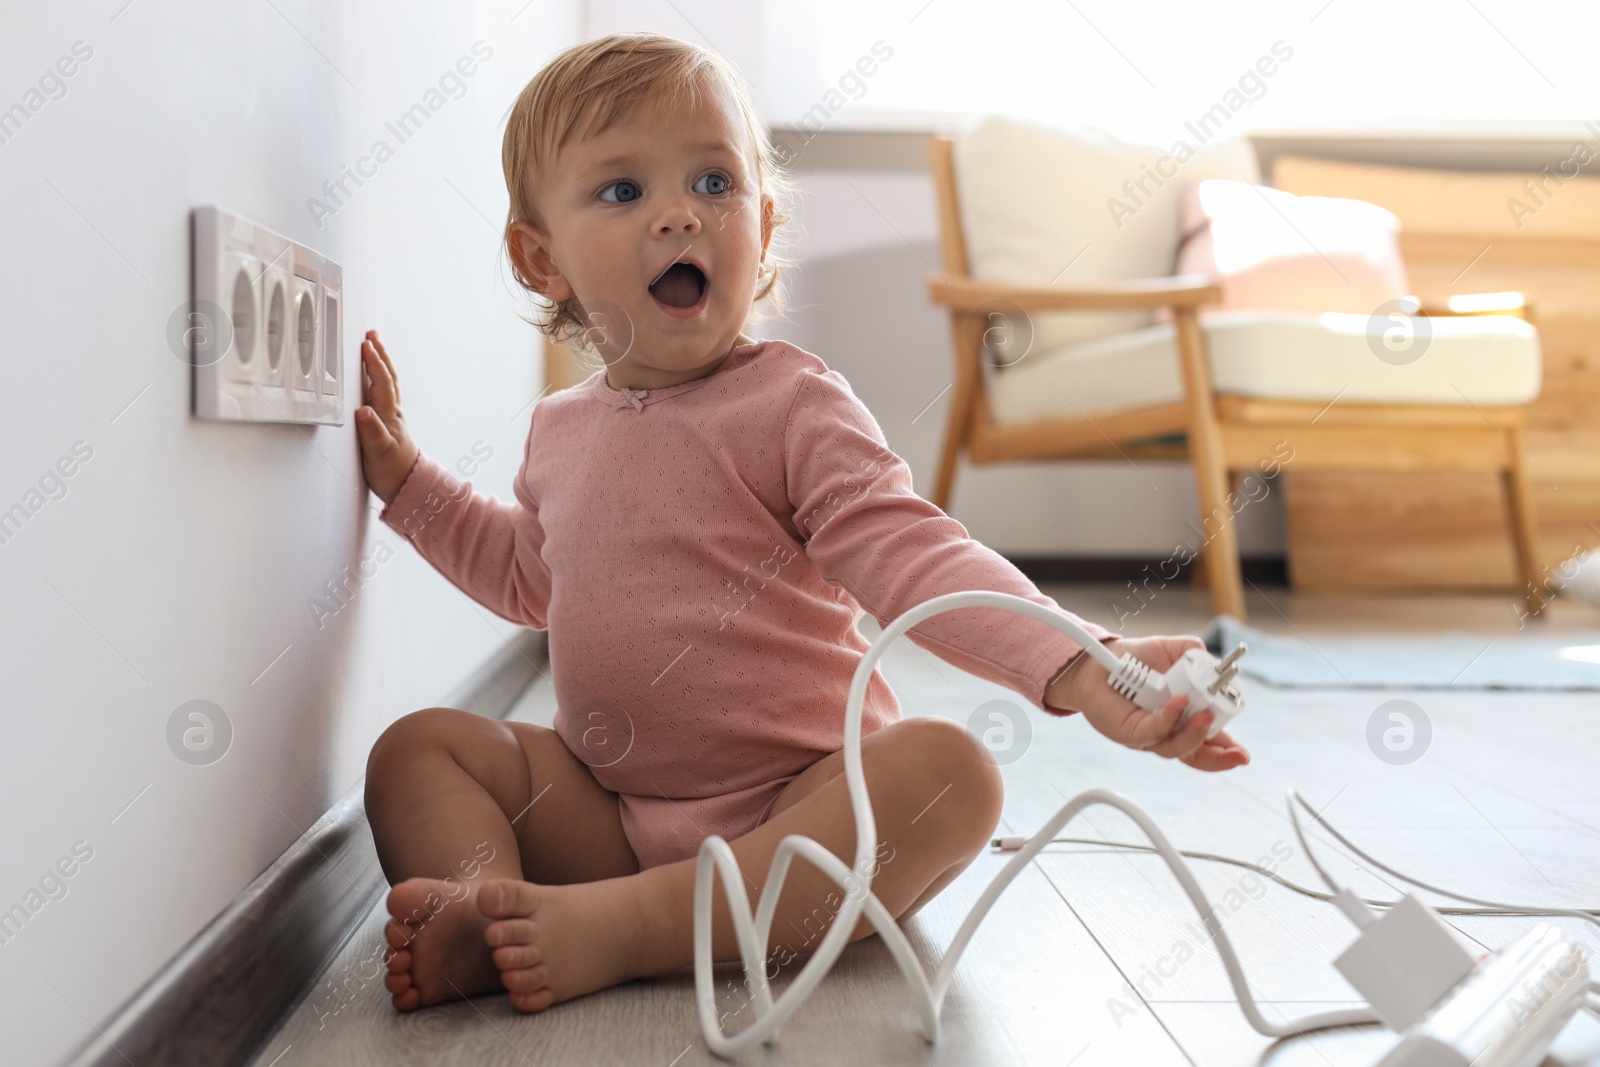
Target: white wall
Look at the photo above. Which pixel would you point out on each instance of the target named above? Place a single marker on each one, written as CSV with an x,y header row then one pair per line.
x,y
1141,70
183,556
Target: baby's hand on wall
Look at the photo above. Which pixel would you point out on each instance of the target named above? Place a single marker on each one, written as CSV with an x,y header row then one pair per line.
x,y
387,451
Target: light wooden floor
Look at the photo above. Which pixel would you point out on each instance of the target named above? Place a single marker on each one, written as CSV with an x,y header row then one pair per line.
x,y
1504,804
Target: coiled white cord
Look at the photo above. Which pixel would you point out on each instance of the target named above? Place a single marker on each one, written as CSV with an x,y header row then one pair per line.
x,y
717,858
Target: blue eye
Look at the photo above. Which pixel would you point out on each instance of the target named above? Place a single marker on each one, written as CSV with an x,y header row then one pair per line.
x,y
625,199
723,187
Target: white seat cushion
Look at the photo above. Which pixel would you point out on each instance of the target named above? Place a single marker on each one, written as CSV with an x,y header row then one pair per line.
x,y
1491,360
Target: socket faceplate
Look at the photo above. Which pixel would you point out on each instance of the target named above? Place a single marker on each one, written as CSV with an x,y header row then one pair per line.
x,y
267,344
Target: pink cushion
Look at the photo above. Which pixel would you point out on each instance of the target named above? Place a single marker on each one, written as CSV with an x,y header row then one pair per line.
x,y
1269,249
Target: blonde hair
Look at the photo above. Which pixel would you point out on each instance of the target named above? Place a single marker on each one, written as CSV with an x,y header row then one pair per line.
x,y
594,85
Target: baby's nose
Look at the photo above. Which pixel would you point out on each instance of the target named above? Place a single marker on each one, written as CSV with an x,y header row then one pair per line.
x,y
678,217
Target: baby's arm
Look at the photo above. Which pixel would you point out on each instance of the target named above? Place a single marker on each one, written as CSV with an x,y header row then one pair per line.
x,y
866,528
488,548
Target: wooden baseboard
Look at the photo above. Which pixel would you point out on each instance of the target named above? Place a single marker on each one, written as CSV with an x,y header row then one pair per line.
x,y
221,998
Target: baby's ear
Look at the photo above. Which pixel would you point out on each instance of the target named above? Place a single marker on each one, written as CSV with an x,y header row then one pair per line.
x,y
530,252
767,208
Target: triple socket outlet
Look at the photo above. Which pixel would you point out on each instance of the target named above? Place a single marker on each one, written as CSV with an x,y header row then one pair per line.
x,y
265,326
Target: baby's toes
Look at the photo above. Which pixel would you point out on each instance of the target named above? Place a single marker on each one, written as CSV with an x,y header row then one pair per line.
x,y
526,979
399,961
507,898
532,1002
402,993
517,957
395,935
510,932
529,988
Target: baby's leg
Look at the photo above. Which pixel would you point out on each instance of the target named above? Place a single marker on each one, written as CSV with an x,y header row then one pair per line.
x,y
454,799
936,794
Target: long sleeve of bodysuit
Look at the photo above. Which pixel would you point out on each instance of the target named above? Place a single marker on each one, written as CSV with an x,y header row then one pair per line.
x,y
866,529
489,548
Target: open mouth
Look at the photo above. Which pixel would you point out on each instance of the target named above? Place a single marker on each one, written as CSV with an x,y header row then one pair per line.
x,y
682,286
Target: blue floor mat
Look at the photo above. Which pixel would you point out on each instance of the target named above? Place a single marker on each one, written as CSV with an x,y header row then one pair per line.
x,y
1443,661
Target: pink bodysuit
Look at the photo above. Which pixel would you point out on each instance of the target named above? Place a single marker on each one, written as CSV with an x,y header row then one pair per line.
x,y
700,555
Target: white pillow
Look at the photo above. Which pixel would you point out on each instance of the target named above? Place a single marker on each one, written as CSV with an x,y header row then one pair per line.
x,y
1035,199
1270,249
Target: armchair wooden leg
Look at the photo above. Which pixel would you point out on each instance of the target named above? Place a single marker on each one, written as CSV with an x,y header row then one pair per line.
x,y
949,454
1524,530
1206,453
958,427
1221,551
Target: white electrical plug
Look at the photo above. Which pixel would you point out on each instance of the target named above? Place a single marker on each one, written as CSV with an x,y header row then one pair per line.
x,y
1198,675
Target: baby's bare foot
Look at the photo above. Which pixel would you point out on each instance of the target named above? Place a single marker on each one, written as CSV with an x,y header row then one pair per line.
x,y
435,938
556,942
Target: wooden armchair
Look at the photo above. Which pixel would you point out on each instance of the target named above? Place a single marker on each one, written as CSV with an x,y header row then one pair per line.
x,y
1222,433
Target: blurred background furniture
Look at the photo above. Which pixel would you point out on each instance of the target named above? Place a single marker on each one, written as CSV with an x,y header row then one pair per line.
x,y
1490,230
1237,386
563,366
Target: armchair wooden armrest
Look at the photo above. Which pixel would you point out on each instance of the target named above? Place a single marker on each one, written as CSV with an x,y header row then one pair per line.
x,y
1183,290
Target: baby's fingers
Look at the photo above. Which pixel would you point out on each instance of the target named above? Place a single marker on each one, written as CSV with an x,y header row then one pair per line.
x,y
1220,753
383,354
376,440
1181,743
384,394
1152,728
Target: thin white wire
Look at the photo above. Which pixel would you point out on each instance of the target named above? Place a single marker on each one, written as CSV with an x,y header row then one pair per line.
x,y
1516,909
716,860
1305,848
1314,894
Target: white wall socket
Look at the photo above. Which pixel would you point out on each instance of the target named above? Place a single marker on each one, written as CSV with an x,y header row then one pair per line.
x,y
266,339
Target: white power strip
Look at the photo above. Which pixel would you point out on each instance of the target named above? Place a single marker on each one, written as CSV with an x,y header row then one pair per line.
x,y
1506,1012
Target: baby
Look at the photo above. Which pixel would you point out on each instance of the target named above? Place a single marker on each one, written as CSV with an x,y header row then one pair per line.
x,y
699,525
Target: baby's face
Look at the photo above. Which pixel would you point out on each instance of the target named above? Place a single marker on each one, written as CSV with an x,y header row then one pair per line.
x,y
653,192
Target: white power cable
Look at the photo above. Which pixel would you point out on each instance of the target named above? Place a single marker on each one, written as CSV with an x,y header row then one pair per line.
x,y
1016,841
1495,906
752,932
1353,906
